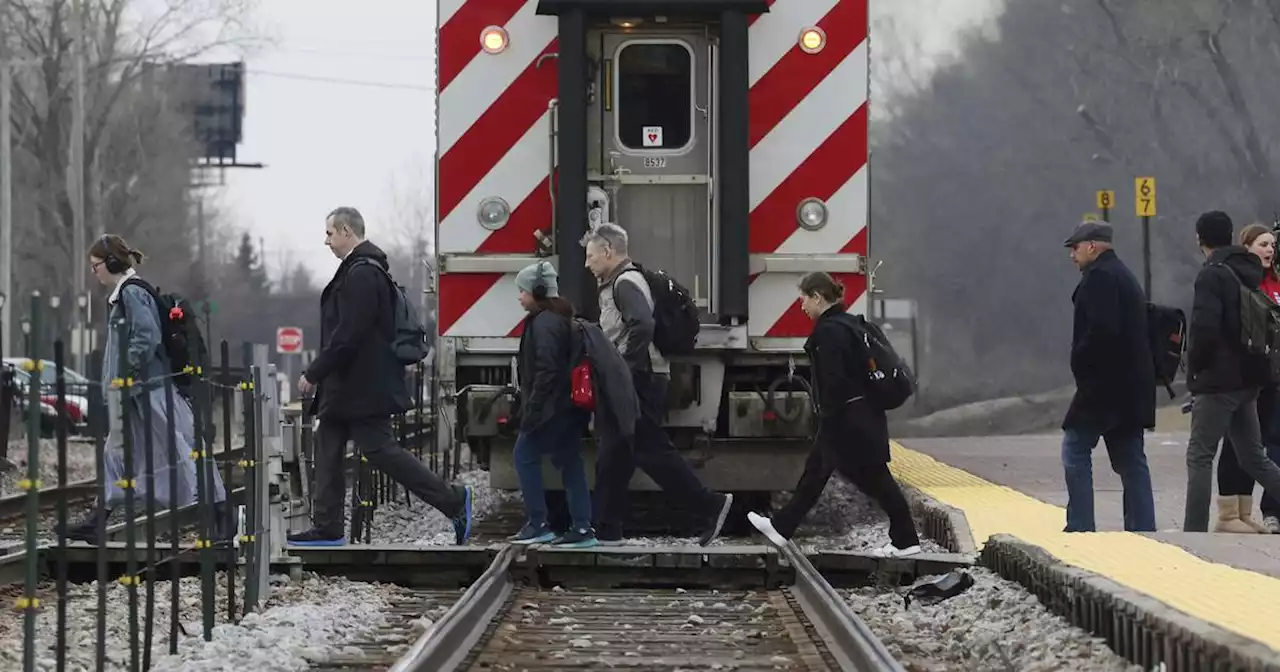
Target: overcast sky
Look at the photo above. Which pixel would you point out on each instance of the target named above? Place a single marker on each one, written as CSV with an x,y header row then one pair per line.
x,y
328,141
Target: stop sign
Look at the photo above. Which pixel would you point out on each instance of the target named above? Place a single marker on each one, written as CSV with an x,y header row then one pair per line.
x,y
288,340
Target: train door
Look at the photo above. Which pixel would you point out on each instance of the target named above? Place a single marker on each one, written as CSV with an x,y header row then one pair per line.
x,y
651,148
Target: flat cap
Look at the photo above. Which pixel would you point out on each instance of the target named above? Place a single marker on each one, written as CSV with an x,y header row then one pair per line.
x,y
1090,231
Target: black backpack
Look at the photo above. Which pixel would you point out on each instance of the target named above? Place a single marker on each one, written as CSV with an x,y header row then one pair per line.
x,y
182,342
890,382
1259,327
675,315
1167,330
410,341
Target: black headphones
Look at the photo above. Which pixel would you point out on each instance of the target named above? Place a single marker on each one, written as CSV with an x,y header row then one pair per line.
x,y
539,285
113,264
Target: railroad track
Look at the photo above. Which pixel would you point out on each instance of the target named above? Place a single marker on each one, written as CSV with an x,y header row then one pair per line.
x,y
499,625
15,505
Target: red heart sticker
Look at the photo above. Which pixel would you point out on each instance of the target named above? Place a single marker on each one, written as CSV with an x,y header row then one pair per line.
x,y
653,137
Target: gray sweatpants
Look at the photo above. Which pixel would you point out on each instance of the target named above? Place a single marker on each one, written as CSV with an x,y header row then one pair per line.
x,y
1231,414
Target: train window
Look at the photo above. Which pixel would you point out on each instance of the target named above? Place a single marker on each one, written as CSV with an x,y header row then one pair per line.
x,y
655,89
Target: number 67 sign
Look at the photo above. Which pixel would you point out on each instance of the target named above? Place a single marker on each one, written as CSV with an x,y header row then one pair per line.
x,y
1144,196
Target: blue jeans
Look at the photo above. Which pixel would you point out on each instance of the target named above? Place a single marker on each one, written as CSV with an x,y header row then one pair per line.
x,y
1125,448
560,438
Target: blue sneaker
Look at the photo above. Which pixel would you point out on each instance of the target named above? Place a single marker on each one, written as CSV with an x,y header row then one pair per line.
x,y
532,535
580,538
462,523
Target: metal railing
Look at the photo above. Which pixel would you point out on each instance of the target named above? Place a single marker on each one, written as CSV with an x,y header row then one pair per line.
x,y
155,457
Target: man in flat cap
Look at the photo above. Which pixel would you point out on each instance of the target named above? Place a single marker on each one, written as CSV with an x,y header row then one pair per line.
x,y
1114,372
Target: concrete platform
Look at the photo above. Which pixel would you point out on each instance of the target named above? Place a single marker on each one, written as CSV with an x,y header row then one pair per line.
x,y
1032,465
1192,601
1256,553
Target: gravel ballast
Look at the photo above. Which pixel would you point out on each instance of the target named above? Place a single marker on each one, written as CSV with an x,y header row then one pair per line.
x,y
994,625
309,620
80,464
396,522
844,519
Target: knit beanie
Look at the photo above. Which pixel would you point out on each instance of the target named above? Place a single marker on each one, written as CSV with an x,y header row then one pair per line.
x,y
541,273
1214,229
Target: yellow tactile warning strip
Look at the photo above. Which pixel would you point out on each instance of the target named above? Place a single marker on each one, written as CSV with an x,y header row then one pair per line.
x,y
1243,602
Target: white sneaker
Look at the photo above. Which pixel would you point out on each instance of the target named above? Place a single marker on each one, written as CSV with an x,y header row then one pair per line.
x,y
891,551
1272,523
766,528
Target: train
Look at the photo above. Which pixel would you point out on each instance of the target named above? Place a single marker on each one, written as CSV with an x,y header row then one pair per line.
x,y
728,137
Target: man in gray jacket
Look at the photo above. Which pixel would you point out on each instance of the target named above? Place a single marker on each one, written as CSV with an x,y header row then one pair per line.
x,y
626,317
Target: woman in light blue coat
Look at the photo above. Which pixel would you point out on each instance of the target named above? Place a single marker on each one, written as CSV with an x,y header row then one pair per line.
x,y
132,303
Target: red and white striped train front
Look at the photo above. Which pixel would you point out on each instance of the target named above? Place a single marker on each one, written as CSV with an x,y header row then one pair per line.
x,y
500,116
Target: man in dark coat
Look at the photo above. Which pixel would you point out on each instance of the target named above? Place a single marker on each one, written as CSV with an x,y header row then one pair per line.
x,y
627,319
1220,373
1115,379
361,384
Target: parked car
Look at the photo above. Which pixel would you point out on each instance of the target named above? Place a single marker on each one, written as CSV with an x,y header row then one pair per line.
x,y
77,394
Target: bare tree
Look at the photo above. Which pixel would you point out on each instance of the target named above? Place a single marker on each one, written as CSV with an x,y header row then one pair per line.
x,y
138,147
411,224
980,174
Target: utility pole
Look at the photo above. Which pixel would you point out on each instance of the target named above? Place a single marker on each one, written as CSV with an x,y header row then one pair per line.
x,y
202,266
78,248
6,199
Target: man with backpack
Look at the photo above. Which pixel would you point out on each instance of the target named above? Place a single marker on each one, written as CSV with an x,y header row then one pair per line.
x,y
1225,368
359,373
640,309
1114,370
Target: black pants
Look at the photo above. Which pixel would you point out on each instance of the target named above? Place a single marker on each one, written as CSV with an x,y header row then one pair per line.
x,y
374,440
874,480
1233,480
651,451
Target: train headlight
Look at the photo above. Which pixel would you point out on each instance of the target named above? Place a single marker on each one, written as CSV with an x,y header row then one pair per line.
x,y
812,214
493,213
493,39
812,40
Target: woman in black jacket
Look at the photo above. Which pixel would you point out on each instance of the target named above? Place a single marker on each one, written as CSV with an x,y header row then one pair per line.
x,y
550,423
853,434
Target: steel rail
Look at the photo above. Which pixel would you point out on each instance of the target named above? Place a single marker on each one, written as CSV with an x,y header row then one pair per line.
x,y
448,642
14,505
853,644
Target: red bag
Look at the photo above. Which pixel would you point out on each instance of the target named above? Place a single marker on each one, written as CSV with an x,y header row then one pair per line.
x,y
583,388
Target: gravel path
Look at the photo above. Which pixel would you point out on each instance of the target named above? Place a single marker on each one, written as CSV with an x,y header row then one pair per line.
x,y
308,620
995,625
79,464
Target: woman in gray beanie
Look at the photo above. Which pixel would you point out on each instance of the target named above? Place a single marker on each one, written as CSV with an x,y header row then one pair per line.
x,y
550,423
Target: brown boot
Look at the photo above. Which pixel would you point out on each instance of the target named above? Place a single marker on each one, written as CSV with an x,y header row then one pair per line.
x,y
1246,515
1229,517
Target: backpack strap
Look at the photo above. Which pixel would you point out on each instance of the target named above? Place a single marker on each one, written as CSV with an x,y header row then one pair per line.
x,y
643,285
1236,275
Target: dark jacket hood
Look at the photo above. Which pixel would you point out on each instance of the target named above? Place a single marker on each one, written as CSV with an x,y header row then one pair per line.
x,y
370,251
1239,259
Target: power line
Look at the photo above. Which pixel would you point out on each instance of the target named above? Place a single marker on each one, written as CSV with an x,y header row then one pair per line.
x,y
358,54
337,80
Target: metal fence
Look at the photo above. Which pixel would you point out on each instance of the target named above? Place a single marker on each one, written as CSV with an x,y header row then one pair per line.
x,y
203,469
144,432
